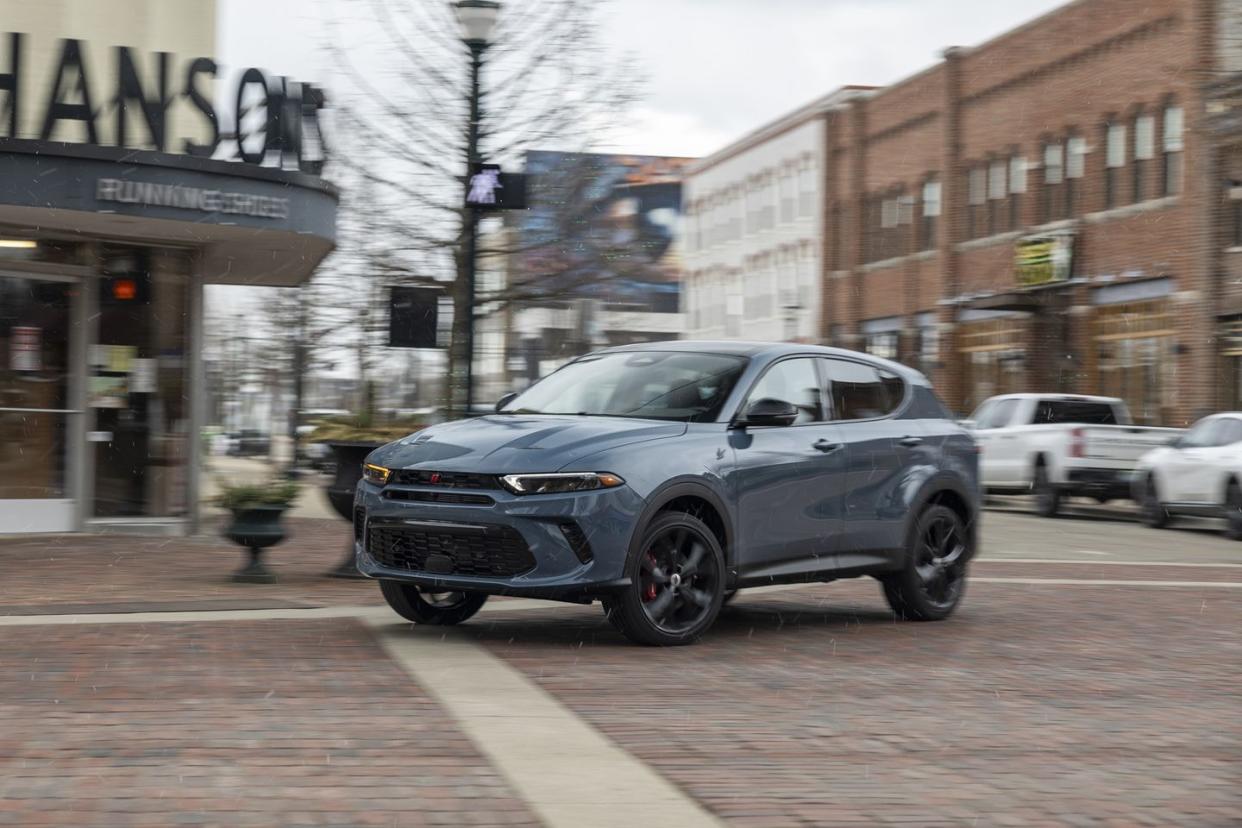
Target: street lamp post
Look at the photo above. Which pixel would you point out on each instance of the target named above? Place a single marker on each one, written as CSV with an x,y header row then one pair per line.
x,y
477,19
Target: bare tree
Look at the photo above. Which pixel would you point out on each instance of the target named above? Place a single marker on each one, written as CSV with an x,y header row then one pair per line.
x,y
404,95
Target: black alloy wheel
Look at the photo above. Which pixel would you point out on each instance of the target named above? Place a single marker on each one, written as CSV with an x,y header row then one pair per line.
x,y
1233,511
1153,511
932,583
437,608
677,583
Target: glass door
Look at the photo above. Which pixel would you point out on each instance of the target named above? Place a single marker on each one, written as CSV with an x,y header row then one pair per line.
x,y
37,417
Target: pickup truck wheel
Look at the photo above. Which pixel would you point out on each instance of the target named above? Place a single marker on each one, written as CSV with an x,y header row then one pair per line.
x,y
437,609
1233,512
931,584
1154,513
1047,496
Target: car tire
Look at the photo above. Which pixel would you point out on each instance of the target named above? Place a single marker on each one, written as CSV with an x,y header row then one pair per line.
x,y
1047,496
1153,512
658,609
1233,511
436,609
932,580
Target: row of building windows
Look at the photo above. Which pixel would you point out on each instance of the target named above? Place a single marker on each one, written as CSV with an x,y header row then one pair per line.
x,y
896,222
761,291
764,203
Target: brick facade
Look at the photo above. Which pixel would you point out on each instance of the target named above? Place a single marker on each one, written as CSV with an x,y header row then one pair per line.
x,y
1090,125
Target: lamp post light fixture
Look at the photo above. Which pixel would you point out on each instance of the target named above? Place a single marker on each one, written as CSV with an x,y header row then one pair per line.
x,y
477,19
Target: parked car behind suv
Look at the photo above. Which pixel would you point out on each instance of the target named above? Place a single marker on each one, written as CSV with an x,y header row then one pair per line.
x,y
1058,445
1197,473
661,478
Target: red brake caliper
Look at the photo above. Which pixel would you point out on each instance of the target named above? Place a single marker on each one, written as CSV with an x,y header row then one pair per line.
x,y
649,591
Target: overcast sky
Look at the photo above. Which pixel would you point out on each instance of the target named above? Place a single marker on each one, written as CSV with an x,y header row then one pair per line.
x,y
716,69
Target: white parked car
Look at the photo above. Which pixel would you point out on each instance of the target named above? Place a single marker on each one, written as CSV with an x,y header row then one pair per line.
x,y
1199,473
1054,445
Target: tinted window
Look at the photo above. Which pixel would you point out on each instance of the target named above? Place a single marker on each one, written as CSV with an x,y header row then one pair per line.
x,y
1230,432
925,405
1201,434
999,415
792,381
861,391
663,385
1075,411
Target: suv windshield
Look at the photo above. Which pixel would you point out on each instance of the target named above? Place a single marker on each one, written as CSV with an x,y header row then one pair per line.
x,y
661,385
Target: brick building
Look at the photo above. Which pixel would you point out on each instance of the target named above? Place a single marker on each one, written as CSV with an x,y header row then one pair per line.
x,y
1051,210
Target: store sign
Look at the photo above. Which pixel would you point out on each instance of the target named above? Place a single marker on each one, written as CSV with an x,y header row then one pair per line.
x,y
198,199
277,118
1044,259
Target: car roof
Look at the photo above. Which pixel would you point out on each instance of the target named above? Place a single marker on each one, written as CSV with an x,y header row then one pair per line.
x,y
746,348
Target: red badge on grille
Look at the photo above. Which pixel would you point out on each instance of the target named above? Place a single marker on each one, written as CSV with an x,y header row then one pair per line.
x,y
434,479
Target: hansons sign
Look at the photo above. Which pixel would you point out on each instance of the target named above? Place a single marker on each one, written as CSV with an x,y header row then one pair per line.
x,y
181,197
276,119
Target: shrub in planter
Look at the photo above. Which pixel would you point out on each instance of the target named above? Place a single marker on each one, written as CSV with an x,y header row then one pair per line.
x,y
257,511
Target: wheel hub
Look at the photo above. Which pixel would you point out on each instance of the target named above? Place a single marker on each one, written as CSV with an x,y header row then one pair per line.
x,y
675,580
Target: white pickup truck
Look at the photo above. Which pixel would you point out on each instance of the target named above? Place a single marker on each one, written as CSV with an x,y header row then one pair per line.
x,y
1054,445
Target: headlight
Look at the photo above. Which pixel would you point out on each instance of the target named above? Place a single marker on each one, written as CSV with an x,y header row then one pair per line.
x,y
375,474
525,484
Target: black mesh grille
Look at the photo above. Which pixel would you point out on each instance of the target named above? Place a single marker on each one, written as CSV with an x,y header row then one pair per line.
x,y
454,498
360,521
577,541
448,480
491,551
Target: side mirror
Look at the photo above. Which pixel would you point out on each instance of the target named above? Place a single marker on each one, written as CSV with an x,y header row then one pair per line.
x,y
769,412
505,399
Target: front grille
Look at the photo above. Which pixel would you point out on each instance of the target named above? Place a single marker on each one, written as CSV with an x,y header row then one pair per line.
x,y
447,480
360,521
451,549
453,498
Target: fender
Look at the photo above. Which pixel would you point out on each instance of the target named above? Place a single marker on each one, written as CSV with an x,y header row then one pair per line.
x,y
682,487
945,482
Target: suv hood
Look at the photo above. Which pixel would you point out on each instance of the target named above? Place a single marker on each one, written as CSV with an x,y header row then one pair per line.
x,y
511,443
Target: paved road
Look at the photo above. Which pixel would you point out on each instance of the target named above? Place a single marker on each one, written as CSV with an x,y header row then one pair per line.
x,y
1090,678
1101,534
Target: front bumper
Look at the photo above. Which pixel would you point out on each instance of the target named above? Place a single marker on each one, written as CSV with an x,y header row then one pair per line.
x,y
446,545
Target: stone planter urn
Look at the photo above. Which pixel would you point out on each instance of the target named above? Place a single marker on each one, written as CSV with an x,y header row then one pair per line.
x,y
256,528
348,456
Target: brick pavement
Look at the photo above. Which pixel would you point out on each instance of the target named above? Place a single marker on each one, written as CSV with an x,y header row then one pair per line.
x,y
115,573
229,724
1035,706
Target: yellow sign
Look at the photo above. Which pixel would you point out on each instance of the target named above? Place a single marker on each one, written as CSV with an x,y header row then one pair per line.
x,y
1041,260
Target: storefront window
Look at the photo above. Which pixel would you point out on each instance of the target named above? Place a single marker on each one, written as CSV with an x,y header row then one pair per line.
x,y
1133,353
883,345
137,392
994,357
35,325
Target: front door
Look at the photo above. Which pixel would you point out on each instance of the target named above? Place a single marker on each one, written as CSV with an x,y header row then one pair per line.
x,y
38,420
787,478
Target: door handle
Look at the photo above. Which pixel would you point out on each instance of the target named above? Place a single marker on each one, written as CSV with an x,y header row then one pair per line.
x,y
910,442
826,446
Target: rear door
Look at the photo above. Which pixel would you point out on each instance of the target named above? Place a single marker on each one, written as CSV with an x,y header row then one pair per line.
x,y
880,451
787,479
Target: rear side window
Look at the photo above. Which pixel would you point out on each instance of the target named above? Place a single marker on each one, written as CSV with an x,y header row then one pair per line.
x,y
1075,411
860,392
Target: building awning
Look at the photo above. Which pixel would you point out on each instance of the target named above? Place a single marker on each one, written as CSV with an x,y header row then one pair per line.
x,y
251,225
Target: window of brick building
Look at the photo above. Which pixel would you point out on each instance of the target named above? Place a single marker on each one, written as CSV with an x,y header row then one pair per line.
x,y
976,200
1052,202
998,188
1075,170
1172,150
1017,186
1114,163
930,214
1144,152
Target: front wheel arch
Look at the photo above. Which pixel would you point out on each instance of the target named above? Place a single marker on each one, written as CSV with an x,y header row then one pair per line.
x,y
676,490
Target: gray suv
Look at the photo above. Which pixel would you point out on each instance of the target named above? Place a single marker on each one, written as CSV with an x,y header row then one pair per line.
x,y
661,478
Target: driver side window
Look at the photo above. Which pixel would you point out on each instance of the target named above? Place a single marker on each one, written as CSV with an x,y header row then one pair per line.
x,y
793,381
1201,435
